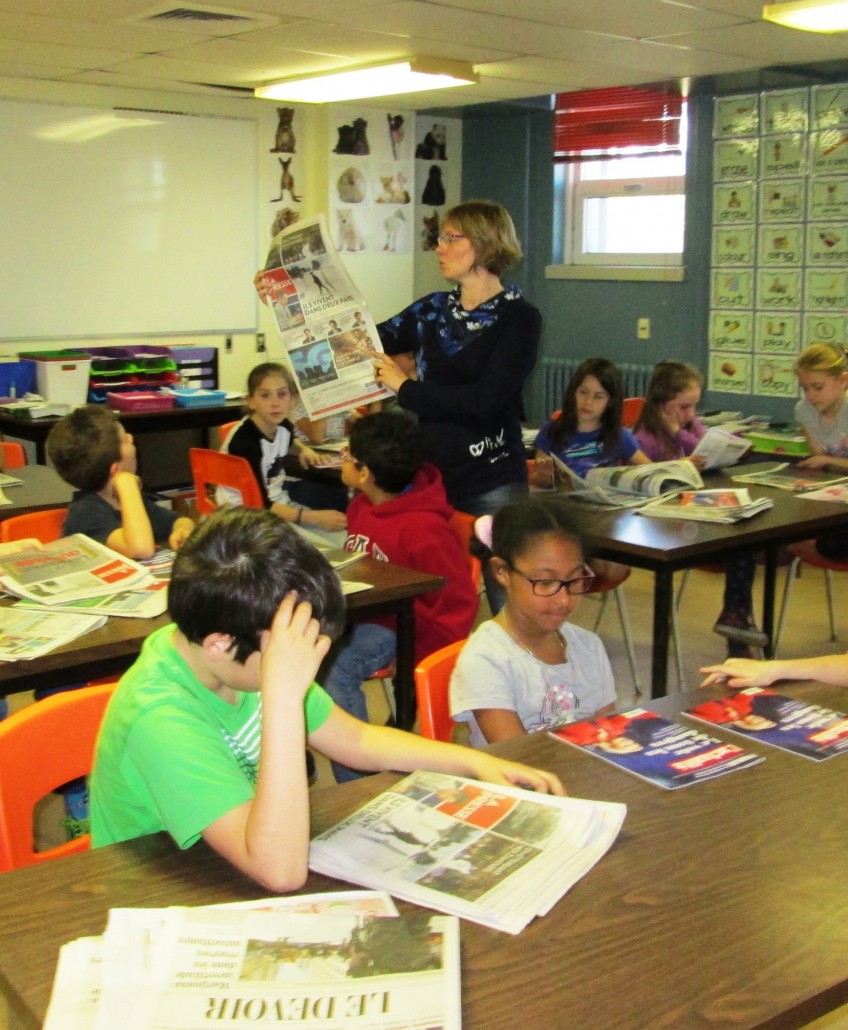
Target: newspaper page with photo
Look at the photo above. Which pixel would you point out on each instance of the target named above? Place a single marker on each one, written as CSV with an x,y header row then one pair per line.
x,y
759,714
144,603
326,329
235,967
30,634
628,486
664,753
495,855
722,506
68,570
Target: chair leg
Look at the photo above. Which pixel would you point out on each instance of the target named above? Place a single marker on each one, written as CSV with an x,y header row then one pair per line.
x,y
624,618
831,610
684,580
791,573
675,636
605,600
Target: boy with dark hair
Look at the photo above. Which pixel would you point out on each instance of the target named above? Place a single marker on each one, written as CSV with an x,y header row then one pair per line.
x,y
91,450
254,606
400,514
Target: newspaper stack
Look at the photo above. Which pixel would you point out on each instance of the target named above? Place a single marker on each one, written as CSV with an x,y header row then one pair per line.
x,y
323,960
628,486
496,855
722,506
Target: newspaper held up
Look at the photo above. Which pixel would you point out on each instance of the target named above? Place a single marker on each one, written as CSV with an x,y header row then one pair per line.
x,y
327,332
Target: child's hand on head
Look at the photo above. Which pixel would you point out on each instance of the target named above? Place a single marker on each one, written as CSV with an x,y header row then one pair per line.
x,y
293,649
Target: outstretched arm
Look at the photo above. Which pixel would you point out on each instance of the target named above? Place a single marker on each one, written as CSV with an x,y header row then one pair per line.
x,y
361,745
745,672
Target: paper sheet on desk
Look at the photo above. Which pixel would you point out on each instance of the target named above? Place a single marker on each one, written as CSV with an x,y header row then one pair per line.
x,y
3,498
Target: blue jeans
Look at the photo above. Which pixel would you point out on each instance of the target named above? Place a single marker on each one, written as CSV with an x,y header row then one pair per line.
x,y
365,648
488,504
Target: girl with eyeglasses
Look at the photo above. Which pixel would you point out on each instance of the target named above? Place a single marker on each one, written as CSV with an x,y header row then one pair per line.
x,y
528,668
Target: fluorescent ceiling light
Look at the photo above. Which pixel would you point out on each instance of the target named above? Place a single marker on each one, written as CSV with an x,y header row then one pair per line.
x,y
810,15
412,75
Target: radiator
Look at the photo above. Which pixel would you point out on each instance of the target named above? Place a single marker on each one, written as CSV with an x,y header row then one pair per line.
x,y
557,372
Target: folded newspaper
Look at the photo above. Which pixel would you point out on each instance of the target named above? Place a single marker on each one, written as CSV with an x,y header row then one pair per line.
x,y
629,486
30,634
145,603
495,855
789,477
68,570
326,961
719,448
722,506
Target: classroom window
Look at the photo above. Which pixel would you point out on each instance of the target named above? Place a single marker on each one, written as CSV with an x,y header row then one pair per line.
x,y
624,204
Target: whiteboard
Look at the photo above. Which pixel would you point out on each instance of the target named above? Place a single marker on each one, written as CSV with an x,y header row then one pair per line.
x,y
124,222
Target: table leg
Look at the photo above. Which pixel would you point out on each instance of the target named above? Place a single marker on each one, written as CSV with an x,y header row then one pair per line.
x,y
769,584
663,600
405,664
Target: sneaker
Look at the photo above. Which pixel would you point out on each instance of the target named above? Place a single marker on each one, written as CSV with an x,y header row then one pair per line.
x,y
76,827
75,796
735,626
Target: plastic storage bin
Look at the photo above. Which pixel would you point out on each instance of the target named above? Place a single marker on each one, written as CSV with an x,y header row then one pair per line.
x,y
140,400
199,398
61,376
779,441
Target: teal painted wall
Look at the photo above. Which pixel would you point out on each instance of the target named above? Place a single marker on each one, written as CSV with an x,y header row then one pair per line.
x,y
506,157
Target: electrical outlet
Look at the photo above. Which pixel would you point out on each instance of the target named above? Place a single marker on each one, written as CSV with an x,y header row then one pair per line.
x,y
228,345
260,343
643,328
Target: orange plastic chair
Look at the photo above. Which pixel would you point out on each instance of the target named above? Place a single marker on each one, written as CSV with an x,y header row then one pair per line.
x,y
631,409
463,525
14,455
45,526
432,679
214,468
224,430
43,746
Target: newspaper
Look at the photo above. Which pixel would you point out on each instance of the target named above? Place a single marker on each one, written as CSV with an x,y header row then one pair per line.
x,y
722,506
146,603
326,329
789,477
719,448
495,855
68,570
629,486
30,634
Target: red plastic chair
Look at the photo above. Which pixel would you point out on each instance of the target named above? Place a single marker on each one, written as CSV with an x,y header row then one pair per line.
x,y
631,409
432,679
14,455
45,526
224,430
43,746
214,468
806,553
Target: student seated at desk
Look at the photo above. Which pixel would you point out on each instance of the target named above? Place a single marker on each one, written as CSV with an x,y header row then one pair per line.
x,y
92,452
265,437
254,606
399,514
528,668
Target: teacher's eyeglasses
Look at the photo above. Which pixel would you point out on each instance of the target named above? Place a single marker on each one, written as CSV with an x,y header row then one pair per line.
x,y
451,237
549,587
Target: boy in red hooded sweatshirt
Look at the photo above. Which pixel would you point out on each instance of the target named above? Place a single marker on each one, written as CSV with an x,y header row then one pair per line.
x,y
399,514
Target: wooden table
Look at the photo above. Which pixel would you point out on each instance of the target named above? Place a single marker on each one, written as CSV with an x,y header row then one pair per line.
x,y
113,647
664,546
720,905
135,422
41,488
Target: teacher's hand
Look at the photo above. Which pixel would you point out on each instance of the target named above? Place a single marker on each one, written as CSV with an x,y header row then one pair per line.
x,y
387,373
261,285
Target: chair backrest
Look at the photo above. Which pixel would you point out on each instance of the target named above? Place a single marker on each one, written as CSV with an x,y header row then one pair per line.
x,y
14,455
463,525
42,746
224,430
432,679
631,409
215,468
45,526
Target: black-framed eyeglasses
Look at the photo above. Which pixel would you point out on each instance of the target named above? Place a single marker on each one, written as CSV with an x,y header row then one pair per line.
x,y
450,237
548,587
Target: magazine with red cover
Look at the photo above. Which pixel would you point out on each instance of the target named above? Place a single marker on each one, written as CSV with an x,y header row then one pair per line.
x,y
760,714
664,753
